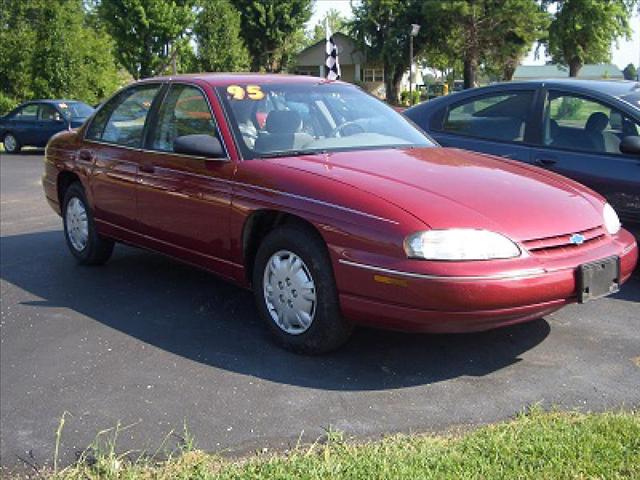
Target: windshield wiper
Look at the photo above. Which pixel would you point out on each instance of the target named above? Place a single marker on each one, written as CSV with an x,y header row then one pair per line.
x,y
290,153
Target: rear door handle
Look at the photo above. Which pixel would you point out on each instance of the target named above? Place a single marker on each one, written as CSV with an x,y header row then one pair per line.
x,y
546,161
147,168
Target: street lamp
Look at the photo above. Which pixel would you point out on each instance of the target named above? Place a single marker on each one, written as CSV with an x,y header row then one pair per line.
x,y
415,28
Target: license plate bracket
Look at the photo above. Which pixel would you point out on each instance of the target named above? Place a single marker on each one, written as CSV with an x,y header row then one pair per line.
x,y
598,279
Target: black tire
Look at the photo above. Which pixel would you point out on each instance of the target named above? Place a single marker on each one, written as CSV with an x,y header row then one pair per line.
x,y
97,249
16,144
328,329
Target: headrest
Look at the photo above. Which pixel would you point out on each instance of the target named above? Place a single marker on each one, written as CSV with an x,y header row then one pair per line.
x,y
283,121
597,121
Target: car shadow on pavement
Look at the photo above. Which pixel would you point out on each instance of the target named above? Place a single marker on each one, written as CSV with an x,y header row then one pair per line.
x,y
193,314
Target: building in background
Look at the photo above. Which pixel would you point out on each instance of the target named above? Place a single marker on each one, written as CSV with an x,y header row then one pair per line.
x,y
588,72
353,64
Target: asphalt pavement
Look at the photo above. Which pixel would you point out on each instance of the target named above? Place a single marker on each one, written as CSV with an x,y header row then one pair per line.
x,y
151,344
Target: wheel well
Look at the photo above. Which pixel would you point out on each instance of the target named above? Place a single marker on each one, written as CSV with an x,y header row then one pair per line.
x,y
65,179
259,225
8,132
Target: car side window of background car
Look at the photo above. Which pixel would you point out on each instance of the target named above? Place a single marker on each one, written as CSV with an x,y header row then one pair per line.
x,y
495,117
184,111
578,123
48,113
28,112
121,121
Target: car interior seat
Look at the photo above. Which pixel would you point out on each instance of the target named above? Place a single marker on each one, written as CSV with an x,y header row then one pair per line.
x,y
282,132
611,141
596,123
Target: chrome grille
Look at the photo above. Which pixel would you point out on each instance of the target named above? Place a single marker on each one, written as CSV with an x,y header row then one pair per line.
x,y
560,244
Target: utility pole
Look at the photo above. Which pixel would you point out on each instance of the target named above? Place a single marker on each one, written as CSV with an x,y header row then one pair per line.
x,y
415,28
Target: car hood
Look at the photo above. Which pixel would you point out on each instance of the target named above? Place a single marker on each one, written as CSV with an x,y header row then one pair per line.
x,y
451,188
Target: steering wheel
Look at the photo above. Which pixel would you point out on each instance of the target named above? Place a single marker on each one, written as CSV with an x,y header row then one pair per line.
x,y
337,132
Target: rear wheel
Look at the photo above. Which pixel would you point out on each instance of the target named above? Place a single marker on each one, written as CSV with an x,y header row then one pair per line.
x,y
11,144
84,242
296,293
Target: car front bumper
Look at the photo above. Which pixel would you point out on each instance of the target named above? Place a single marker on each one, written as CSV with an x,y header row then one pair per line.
x,y
418,300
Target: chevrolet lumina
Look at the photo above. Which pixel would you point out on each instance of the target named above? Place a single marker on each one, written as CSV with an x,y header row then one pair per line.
x,y
331,206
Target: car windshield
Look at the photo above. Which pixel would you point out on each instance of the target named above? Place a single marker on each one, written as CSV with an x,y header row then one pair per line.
x,y
293,119
75,109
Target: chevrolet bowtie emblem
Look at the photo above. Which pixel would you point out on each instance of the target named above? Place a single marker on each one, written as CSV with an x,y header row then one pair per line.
x,y
576,239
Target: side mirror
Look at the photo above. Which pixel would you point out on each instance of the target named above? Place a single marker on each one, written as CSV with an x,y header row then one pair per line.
x,y
630,145
199,145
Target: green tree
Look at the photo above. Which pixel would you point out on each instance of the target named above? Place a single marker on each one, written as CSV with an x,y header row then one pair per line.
x,y
146,31
582,31
51,49
337,23
217,33
273,30
524,22
382,29
630,72
490,32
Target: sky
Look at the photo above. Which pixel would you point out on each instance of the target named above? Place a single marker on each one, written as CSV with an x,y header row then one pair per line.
x,y
627,51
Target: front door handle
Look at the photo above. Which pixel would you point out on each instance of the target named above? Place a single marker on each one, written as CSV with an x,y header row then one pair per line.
x,y
85,155
147,168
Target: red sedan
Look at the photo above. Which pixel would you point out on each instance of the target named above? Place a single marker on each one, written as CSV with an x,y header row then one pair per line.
x,y
332,207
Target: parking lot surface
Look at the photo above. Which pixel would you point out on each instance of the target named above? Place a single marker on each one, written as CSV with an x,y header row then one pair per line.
x,y
153,344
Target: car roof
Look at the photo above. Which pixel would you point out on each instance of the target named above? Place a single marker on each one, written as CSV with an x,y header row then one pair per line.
x,y
52,101
218,79
616,88
623,89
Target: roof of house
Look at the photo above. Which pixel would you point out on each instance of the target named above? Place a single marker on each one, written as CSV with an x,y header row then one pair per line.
x,y
601,70
348,51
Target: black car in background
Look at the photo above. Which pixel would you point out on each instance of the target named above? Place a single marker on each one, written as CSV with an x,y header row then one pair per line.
x,y
34,123
584,129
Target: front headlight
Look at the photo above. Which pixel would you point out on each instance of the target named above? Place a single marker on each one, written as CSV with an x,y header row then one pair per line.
x,y
611,220
459,244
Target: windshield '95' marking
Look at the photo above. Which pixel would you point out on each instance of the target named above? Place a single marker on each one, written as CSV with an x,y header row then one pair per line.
x,y
252,92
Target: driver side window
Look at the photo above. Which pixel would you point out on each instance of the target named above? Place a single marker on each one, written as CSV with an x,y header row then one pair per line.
x,y
49,113
578,123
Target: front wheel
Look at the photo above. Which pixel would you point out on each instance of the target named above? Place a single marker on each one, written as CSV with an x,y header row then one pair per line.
x,y
11,144
296,293
84,242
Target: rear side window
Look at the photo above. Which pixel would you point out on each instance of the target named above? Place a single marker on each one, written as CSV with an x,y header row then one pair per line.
x,y
28,112
121,120
184,111
494,117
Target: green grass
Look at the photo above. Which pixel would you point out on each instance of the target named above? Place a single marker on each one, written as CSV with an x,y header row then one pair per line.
x,y
534,445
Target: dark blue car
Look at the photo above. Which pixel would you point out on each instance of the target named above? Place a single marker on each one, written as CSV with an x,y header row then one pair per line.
x,y
34,123
585,130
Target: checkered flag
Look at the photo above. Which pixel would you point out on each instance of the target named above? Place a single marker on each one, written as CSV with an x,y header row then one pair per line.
x,y
333,66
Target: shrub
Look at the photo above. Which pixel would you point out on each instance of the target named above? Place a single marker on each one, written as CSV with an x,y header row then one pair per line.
x,y
7,103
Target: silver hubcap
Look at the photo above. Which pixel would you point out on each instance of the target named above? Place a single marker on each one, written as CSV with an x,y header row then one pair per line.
x,y
77,224
10,143
289,292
